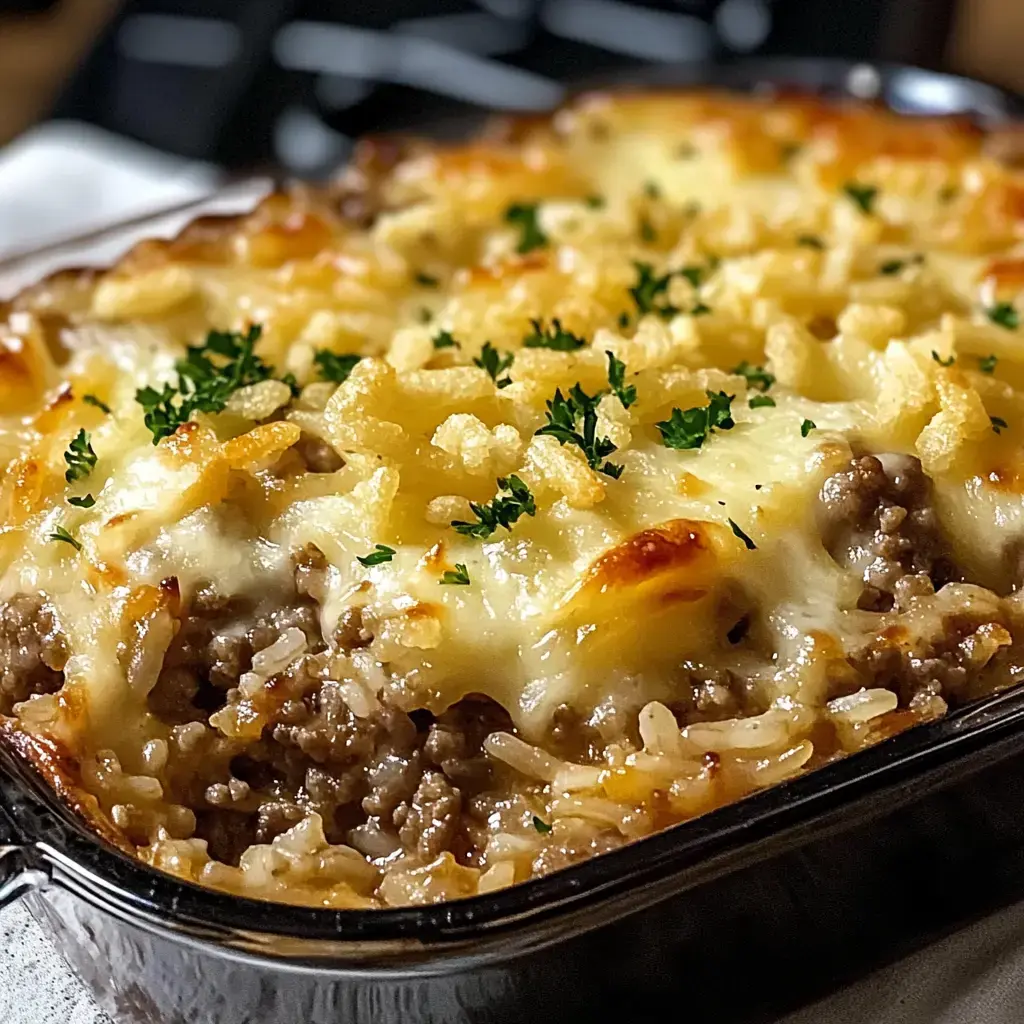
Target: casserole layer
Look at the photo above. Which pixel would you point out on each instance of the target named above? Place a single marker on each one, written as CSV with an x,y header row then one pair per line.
x,y
502,503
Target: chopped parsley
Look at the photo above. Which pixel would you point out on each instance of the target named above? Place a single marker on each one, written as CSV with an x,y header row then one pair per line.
x,y
594,202
541,826
649,288
891,267
61,534
86,501
998,424
334,366
80,457
459,578
293,384
425,280
807,426
563,414
554,337
862,195
444,339
810,242
524,217
623,320
617,381
647,232
424,315
204,384
943,362
756,376
987,364
1004,314
700,309
695,275
652,190
747,542
504,510
761,401
93,400
688,429
381,553
491,360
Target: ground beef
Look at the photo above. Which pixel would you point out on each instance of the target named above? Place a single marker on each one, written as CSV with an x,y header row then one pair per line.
x,y
32,650
877,518
427,823
318,455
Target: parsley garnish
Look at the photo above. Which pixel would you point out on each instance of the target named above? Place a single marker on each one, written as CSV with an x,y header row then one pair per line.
x,y
540,825
203,384
987,364
748,543
648,288
756,376
891,267
334,367
380,553
759,401
807,426
943,362
810,242
623,320
617,381
594,202
293,384
688,429
998,423
93,400
84,502
647,232
692,274
444,339
425,280
491,360
700,309
502,511
80,458
1004,314
60,533
459,578
553,337
863,195
524,216
563,413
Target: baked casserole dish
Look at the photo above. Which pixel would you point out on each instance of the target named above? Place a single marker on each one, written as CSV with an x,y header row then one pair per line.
x,y
503,503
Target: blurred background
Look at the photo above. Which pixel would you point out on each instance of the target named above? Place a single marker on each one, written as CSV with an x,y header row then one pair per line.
x,y
111,107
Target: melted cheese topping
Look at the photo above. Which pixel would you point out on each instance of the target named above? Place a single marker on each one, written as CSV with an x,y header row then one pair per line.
x,y
614,583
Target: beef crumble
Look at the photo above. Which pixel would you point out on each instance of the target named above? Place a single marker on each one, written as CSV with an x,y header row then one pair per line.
x,y
32,650
877,519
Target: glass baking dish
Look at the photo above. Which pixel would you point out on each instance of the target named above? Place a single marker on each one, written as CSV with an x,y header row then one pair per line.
x,y
748,910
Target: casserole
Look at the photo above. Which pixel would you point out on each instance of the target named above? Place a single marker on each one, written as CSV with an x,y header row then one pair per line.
x,y
964,733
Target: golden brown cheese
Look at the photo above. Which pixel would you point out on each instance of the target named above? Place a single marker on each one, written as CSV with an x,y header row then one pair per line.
x,y
868,262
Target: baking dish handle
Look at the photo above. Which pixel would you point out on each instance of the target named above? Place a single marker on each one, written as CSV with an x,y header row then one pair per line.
x,y
22,867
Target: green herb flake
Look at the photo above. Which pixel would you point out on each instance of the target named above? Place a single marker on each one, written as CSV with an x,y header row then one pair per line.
x,y
80,457
554,337
649,288
756,376
700,309
652,190
747,542
594,202
94,401
647,232
491,360
334,366
943,362
807,426
541,826
61,534
998,424
425,280
987,364
810,242
424,315
617,381
504,510
524,217
623,321
863,196
459,578
891,267
563,414
1004,314
381,553
690,428
86,501
761,402
444,339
